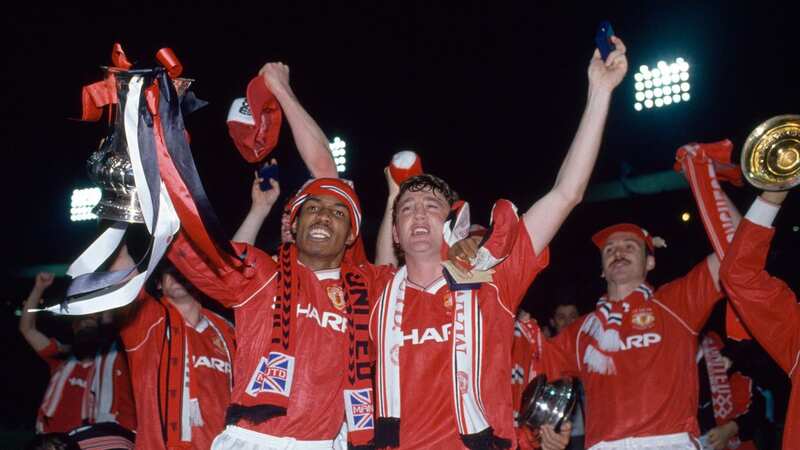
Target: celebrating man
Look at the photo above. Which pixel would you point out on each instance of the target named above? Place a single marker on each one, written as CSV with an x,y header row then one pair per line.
x,y
444,354
302,366
635,354
766,304
180,356
89,381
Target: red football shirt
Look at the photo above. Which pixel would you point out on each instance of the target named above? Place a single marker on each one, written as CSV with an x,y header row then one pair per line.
x,y
654,389
206,372
70,401
316,405
769,309
428,416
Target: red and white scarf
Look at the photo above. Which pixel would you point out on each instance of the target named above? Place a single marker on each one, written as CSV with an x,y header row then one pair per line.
x,y
98,395
603,326
704,166
721,392
466,368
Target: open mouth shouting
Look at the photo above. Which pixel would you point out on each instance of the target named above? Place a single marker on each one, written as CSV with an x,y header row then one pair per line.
x,y
319,232
420,230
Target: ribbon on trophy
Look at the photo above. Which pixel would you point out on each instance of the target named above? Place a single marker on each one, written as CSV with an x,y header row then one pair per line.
x,y
150,120
705,165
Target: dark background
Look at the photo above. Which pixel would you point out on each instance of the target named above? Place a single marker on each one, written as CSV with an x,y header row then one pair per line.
x,y
489,95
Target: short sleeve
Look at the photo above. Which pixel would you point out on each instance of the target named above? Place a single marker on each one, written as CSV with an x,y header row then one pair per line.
x,y
692,297
515,274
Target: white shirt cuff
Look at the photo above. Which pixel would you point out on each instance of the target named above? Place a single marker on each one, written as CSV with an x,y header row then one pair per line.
x,y
762,213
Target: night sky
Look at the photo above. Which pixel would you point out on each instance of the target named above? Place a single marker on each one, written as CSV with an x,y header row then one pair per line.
x,y
488,95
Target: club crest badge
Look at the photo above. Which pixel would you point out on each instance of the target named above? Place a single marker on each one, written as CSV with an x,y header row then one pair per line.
x,y
273,374
336,294
643,319
358,406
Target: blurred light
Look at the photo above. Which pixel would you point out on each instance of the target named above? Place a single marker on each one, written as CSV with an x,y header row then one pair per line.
x,y
82,202
663,85
686,216
795,228
339,150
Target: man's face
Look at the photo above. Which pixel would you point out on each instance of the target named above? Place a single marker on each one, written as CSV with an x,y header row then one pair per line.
x,y
86,324
420,219
172,288
624,259
563,316
322,227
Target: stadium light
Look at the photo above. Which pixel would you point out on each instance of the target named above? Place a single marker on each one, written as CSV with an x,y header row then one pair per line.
x,y
82,202
663,85
339,151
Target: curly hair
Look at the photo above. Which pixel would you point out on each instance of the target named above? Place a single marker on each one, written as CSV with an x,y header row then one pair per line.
x,y
425,183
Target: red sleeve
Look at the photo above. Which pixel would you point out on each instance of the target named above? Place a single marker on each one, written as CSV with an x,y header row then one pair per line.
x,y
558,356
690,298
50,355
516,273
124,406
144,322
227,285
766,304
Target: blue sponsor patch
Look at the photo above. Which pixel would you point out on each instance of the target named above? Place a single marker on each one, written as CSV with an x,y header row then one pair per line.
x,y
273,374
358,406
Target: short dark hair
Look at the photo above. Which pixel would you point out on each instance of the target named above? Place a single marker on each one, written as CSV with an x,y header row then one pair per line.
x,y
425,182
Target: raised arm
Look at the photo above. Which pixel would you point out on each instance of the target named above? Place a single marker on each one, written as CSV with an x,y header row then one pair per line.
x,y
310,140
384,248
765,304
545,217
27,323
262,203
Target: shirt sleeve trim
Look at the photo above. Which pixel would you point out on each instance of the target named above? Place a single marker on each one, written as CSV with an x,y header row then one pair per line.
x,y
146,336
256,292
796,363
677,317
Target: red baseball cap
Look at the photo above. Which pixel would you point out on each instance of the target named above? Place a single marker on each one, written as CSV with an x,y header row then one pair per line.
x,y
601,236
255,123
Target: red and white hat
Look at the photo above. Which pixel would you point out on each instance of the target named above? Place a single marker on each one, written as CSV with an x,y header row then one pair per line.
x,y
336,187
254,123
652,243
404,165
